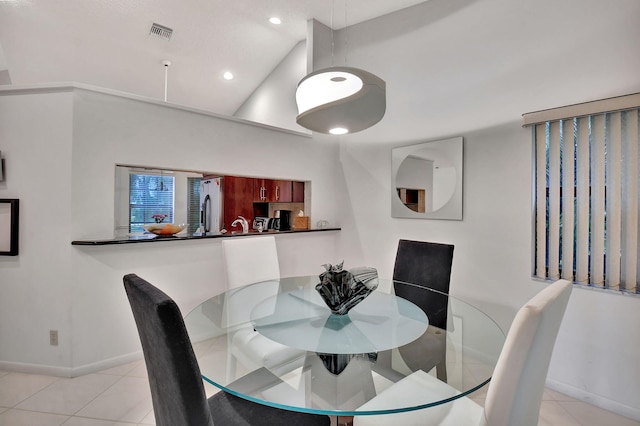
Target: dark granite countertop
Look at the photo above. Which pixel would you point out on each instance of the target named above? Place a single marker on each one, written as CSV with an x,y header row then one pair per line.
x,y
151,238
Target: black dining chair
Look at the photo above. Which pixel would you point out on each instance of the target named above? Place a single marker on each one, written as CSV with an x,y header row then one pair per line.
x,y
425,264
177,391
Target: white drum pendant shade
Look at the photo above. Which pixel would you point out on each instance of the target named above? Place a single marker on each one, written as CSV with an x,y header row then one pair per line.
x,y
340,100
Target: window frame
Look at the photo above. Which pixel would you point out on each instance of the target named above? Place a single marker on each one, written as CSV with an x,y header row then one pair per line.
x,y
606,135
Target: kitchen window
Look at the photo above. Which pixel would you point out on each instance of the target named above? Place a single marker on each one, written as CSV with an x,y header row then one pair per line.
x,y
586,194
150,195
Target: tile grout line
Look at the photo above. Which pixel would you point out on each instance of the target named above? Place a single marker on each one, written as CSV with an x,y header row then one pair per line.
x,y
70,416
39,390
120,378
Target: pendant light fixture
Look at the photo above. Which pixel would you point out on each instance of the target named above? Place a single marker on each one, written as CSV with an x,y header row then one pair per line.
x,y
339,100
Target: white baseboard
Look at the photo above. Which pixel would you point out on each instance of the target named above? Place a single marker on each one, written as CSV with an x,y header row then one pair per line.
x,y
51,370
106,363
598,401
47,370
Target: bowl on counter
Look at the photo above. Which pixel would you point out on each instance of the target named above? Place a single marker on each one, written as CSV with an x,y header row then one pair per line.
x,y
164,228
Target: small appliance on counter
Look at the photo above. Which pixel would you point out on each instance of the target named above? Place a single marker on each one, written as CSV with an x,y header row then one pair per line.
x,y
261,223
284,222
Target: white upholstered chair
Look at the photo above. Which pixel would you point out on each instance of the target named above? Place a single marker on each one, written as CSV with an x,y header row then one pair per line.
x,y
515,391
250,260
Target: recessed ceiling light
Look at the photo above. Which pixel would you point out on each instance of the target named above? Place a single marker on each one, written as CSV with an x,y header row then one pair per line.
x,y
227,76
275,20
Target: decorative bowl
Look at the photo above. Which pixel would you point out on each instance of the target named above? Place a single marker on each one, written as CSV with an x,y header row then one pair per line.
x,y
164,228
341,290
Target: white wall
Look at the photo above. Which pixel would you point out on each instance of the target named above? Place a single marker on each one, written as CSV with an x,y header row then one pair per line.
x,y
67,193
596,354
35,135
274,101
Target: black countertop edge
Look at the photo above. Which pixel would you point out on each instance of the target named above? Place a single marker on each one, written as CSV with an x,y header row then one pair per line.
x,y
160,239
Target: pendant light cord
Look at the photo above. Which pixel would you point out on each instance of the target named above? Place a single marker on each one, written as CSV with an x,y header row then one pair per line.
x,y
166,80
166,63
332,30
345,33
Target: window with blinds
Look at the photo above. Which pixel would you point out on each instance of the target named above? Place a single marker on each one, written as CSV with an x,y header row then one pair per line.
x,y
149,194
587,195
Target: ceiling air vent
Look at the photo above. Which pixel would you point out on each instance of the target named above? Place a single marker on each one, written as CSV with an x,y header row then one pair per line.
x,y
161,31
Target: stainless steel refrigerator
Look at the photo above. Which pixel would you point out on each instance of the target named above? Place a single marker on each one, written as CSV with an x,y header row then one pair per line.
x,y
210,206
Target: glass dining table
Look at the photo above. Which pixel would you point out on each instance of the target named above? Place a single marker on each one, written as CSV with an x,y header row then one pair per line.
x,y
278,344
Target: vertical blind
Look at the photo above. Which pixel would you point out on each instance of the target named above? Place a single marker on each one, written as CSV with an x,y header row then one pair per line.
x,y
149,194
586,198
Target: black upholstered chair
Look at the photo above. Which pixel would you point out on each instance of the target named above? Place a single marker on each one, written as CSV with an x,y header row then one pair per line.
x,y
425,264
176,385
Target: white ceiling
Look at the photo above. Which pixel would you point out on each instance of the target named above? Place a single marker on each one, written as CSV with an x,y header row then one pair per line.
x,y
107,42
450,65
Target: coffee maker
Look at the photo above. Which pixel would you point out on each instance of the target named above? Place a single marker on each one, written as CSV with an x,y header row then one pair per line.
x,y
284,220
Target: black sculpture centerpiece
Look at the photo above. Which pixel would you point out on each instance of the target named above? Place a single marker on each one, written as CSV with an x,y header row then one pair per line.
x,y
341,290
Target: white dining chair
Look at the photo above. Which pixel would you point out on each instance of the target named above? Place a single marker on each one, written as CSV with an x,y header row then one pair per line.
x,y
250,260
515,391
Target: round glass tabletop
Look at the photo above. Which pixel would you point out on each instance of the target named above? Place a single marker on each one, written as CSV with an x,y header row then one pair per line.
x,y
277,343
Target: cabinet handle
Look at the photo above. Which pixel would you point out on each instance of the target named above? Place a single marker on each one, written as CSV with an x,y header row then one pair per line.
x,y
277,193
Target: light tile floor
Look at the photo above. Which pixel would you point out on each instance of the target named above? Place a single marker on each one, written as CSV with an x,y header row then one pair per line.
x,y
120,396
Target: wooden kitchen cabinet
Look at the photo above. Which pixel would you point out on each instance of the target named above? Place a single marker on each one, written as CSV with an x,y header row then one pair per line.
x,y
237,199
260,190
272,191
297,192
281,191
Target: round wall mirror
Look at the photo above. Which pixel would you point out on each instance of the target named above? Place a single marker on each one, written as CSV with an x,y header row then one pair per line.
x,y
427,180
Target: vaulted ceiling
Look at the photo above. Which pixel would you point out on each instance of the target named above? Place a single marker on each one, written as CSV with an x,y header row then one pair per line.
x,y
108,43
450,65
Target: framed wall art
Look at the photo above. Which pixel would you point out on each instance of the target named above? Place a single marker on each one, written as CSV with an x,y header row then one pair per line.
x,y
9,226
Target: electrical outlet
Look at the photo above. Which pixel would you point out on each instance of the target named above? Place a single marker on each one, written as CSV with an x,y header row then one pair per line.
x,y
53,337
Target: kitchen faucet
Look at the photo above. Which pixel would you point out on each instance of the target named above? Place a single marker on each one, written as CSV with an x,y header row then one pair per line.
x,y
245,225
